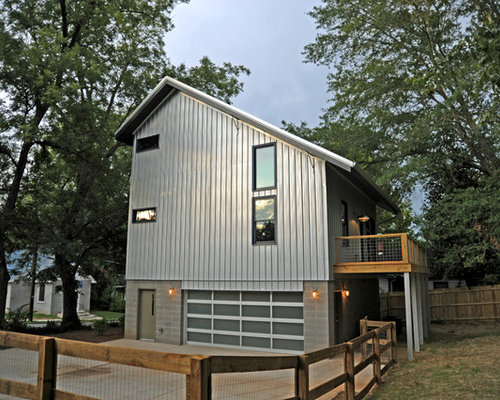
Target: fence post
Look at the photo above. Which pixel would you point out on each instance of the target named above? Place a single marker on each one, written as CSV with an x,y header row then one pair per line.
x,y
394,339
47,365
199,381
350,391
302,390
363,328
376,350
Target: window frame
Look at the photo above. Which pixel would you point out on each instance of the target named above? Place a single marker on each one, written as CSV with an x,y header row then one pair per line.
x,y
345,224
254,166
140,150
136,210
40,291
269,242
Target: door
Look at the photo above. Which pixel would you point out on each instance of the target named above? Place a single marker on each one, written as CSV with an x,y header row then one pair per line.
x,y
337,303
147,317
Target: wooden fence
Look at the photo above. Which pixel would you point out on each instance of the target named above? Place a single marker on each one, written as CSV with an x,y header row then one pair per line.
x,y
199,369
450,305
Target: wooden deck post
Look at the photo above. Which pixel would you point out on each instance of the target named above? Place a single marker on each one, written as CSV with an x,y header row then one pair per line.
x,y
376,363
199,381
420,308
350,390
47,366
302,380
363,328
408,317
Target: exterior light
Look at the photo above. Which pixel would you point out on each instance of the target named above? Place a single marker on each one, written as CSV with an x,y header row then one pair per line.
x,y
171,291
315,293
345,292
363,218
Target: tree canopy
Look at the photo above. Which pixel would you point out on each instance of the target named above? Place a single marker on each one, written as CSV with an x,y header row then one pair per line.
x,y
415,100
70,73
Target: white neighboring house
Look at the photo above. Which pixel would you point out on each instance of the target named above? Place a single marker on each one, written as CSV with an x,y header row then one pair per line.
x,y
48,295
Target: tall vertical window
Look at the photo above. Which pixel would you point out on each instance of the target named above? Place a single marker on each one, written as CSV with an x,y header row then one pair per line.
x,y
264,220
264,166
41,292
344,219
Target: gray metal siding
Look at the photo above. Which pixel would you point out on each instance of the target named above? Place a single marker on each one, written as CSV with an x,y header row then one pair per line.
x,y
200,180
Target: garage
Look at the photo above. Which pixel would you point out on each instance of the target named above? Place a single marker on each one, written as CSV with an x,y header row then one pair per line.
x,y
250,320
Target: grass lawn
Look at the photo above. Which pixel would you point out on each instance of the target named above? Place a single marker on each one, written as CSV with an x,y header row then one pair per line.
x,y
107,314
458,361
45,316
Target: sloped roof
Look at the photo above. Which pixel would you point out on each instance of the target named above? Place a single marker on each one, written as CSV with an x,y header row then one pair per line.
x,y
168,86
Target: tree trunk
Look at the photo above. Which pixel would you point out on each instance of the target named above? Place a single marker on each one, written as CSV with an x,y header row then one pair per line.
x,y
4,278
70,292
32,285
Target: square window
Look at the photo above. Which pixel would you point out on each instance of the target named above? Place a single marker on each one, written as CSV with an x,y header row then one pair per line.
x,y
144,215
264,220
264,167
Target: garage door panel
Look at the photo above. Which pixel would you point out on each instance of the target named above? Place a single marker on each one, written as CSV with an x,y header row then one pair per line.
x,y
253,320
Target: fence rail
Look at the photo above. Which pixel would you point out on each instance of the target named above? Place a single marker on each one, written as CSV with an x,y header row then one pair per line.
x,y
199,369
451,305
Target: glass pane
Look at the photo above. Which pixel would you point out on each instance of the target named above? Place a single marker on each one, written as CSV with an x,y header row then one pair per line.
x,y
256,342
264,167
226,309
264,209
200,295
256,311
287,297
256,326
288,312
199,323
287,344
255,296
199,337
227,296
199,309
226,325
282,328
227,339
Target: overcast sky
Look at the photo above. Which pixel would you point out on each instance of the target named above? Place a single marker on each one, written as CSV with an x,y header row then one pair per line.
x,y
266,36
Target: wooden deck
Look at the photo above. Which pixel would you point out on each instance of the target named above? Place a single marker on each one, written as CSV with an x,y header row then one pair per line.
x,y
391,253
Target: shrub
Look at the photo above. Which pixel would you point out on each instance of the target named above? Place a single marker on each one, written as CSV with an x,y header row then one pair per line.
x,y
100,326
17,320
117,304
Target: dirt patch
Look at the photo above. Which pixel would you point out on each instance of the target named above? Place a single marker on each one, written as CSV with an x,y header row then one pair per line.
x,y
112,333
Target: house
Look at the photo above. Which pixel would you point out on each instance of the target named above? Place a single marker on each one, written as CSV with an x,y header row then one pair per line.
x,y
244,235
48,295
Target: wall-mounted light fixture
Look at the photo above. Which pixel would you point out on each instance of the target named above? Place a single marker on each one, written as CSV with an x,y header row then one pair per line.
x,y
171,291
315,293
345,292
363,218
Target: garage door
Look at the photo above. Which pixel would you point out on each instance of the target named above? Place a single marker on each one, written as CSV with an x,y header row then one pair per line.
x,y
250,320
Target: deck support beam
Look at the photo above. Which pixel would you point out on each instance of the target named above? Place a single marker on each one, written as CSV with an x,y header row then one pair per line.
x,y
414,311
409,327
420,308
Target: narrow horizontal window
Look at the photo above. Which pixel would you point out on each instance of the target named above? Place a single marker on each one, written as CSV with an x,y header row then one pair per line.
x,y
264,167
264,220
144,215
147,143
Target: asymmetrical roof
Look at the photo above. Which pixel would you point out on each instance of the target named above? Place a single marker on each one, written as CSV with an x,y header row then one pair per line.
x,y
169,86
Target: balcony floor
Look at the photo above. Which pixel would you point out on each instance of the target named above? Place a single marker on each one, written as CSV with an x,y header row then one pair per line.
x,y
378,268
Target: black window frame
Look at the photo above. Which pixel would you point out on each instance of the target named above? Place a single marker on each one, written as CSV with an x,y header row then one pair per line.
x,y
254,221
139,149
254,167
345,222
136,210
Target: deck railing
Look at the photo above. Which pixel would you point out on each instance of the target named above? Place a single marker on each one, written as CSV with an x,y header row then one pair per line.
x,y
389,249
376,348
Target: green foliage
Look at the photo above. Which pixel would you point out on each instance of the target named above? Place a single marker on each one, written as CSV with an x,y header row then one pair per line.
x,y
117,304
100,326
17,320
415,101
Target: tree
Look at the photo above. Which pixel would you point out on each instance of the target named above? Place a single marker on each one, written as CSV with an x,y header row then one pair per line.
x,y
72,72
414,92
